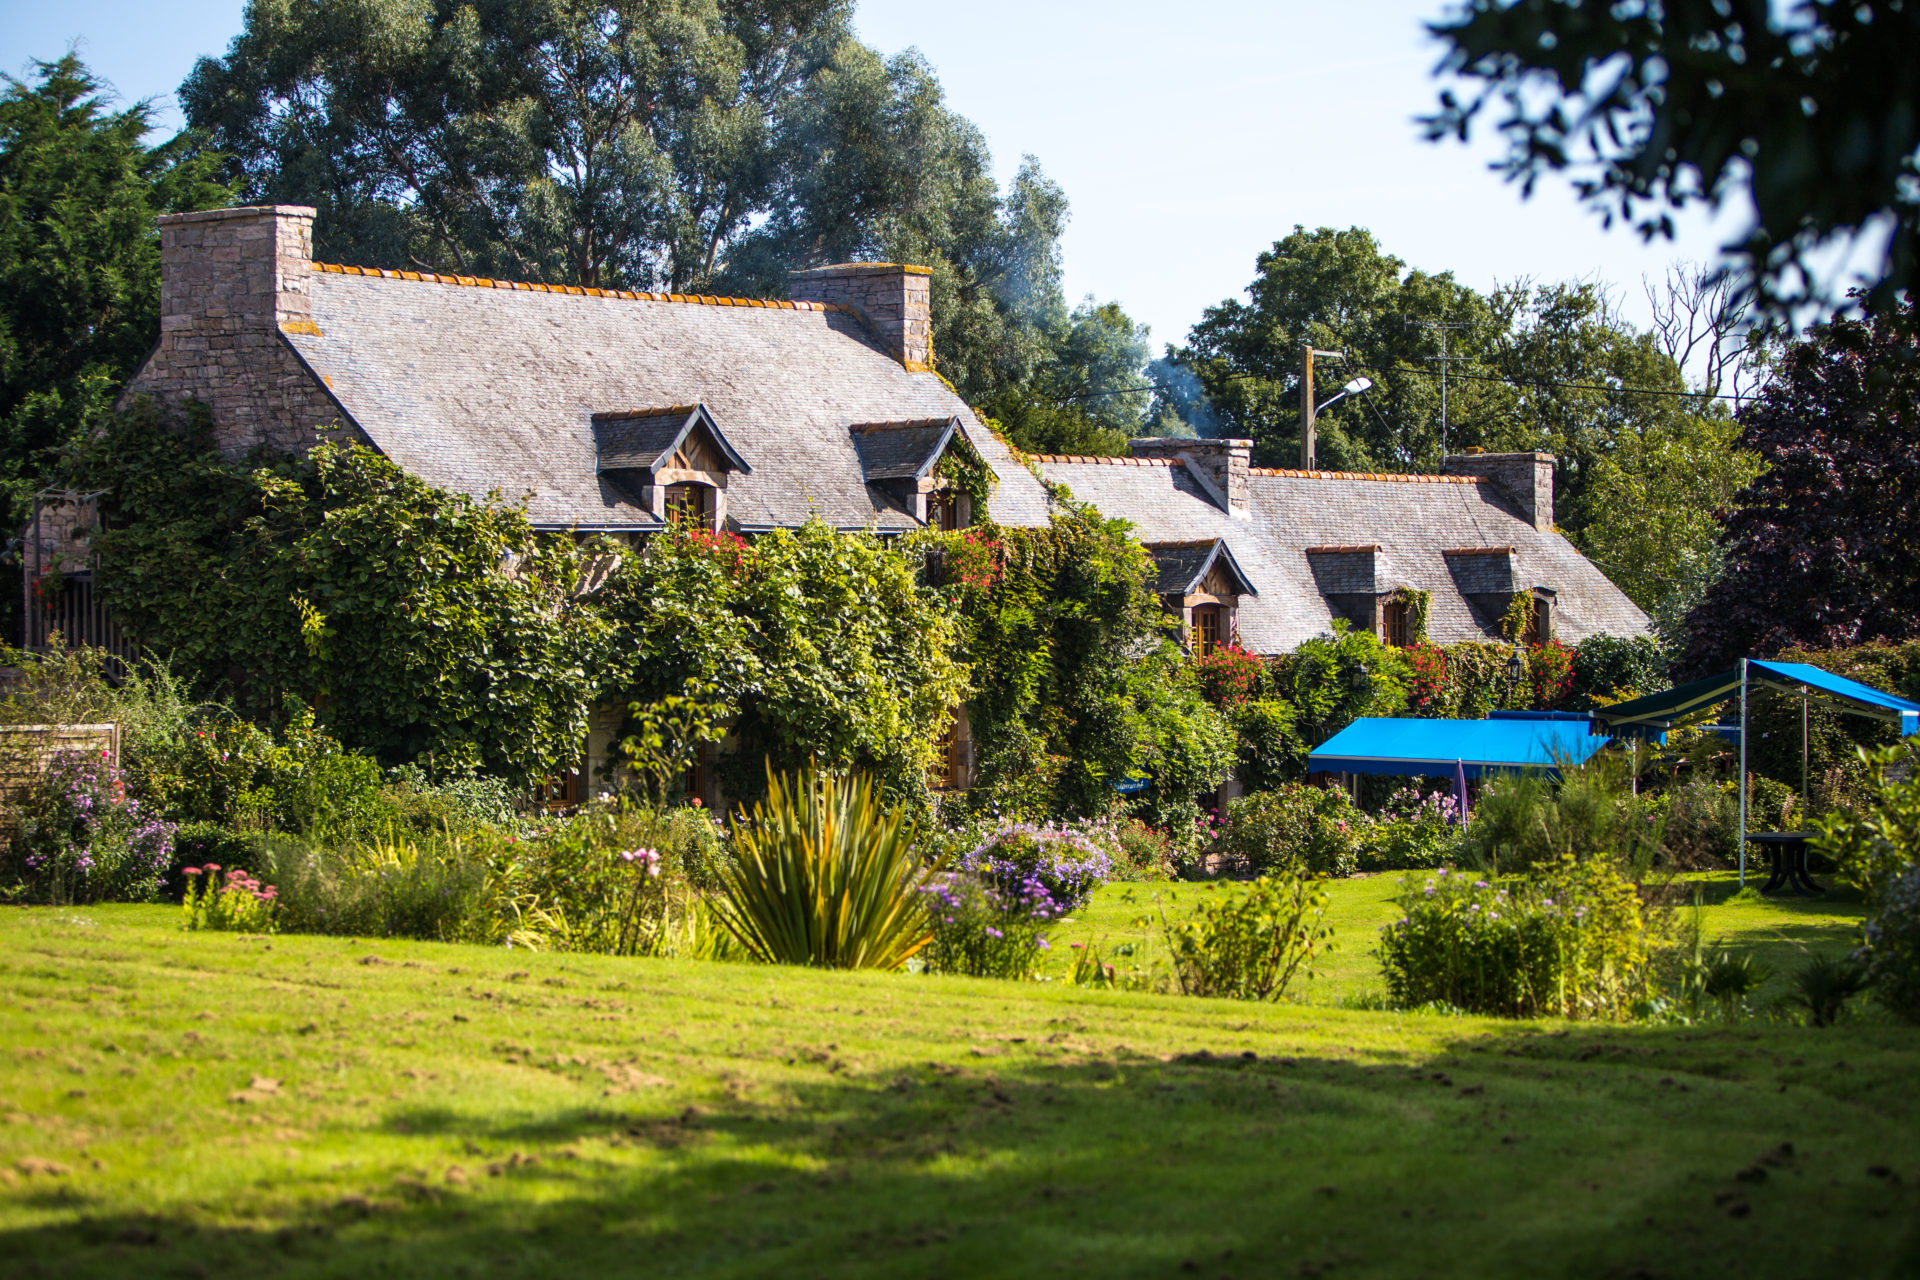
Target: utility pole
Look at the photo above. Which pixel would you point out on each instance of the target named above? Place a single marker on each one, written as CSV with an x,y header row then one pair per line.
x,y
1307,353
1444,360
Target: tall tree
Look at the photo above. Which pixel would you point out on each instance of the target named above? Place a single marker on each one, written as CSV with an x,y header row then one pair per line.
x,y
79,262
686,145
1548,367
1819,548
1809,110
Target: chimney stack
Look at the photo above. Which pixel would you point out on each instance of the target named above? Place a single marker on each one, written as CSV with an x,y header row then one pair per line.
x,y
233,282
1527,478
1220,466
893,301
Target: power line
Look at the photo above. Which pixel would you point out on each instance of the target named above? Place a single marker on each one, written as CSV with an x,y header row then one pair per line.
x,y
1474,377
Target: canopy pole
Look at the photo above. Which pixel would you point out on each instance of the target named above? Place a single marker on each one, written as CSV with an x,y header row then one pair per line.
x,y
1743,773
1803,757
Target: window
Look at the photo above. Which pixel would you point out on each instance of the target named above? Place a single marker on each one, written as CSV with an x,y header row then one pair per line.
x,y
1393,623
564,789
943,510
696,776
941,776
1540,630
690,504
1206,629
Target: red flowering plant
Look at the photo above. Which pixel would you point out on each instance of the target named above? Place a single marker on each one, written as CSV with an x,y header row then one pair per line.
x,y
975,560
1549,674
1426,678
1229,675
729,550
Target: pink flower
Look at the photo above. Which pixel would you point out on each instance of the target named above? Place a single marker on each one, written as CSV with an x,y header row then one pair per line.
x,y
189,871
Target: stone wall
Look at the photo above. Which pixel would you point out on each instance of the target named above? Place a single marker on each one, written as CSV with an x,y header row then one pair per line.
x,y
894,302
230,281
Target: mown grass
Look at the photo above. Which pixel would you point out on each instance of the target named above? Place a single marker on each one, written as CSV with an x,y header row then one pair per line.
x,y
210,1105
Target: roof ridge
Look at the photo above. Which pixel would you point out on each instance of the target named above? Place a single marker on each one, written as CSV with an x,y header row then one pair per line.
x,y
1052,458
1392,476
626,295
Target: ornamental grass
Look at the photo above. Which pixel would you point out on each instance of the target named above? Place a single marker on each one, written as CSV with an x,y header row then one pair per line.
x,y
826,874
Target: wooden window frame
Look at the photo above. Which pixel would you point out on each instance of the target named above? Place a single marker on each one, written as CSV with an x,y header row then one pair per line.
x,y
1395,619
1203,615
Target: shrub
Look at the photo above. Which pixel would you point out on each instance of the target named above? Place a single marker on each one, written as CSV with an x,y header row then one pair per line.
x,y
1228,675
1700,824
610,880
984,929
1570,942
81,838
1296,828
1892,949
1873,844
1413,833
1823,986
824,874
1248,945
1527,820
1271,754
1141,852
1028,862
237,902
431,888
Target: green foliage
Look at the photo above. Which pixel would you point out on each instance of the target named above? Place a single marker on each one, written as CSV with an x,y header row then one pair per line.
x,y
1526,820
824,646
79,837
1074,688
1271,751
826,874
1547,362
1569,943
705,148
1823,986
1877,842
1651,136
1295,828
1086,396
1653,507
1699,824
1249,945
1419,604
981,932
1334,680
1412,833
1229,675
1838,775
234,902
427,887
79,260
1609,669
609,880
416,623
1892,948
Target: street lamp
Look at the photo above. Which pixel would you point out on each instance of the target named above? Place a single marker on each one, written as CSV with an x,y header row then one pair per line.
x,y
1309,410
1516,669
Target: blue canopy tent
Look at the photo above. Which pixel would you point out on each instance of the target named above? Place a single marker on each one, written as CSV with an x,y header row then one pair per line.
x,y
1437,748
1659,711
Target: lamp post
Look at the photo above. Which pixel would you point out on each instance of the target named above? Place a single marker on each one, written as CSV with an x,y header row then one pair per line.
x,y
1309,410
1516,669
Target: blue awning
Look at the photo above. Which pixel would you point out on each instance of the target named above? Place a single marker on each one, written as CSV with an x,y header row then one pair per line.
x,y
1662,709
1432,748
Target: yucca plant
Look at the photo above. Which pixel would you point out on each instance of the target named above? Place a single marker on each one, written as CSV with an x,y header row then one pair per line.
x,y
826,874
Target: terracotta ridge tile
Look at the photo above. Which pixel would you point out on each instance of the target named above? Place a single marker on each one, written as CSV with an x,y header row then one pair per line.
x,y
573,290
1389,476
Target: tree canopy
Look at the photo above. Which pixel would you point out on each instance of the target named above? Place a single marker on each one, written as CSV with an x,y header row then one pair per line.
x,y
700,146
1808,109
1819,548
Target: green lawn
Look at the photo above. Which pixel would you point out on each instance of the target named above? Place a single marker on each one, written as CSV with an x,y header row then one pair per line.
x,y
216,1105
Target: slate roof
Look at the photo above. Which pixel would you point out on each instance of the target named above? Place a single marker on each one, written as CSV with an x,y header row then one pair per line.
x,y
901,450
1414,521
1183,566
486,386
644,439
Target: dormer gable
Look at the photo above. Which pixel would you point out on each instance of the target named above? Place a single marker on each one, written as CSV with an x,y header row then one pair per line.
x,y
670,460
899,459
1200,581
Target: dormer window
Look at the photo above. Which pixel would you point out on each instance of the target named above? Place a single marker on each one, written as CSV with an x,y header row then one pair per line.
x,y
1203,584
1396,623
898,459
674,462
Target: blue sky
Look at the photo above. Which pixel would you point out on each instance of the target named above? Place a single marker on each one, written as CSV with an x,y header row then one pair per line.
x,y
1188,137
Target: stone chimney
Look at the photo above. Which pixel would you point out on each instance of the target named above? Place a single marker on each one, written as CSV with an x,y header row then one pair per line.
x,y
893,301
1219,466
232,283
1527,478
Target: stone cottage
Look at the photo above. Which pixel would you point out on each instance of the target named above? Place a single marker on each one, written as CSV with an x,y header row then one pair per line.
x,y
614,412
